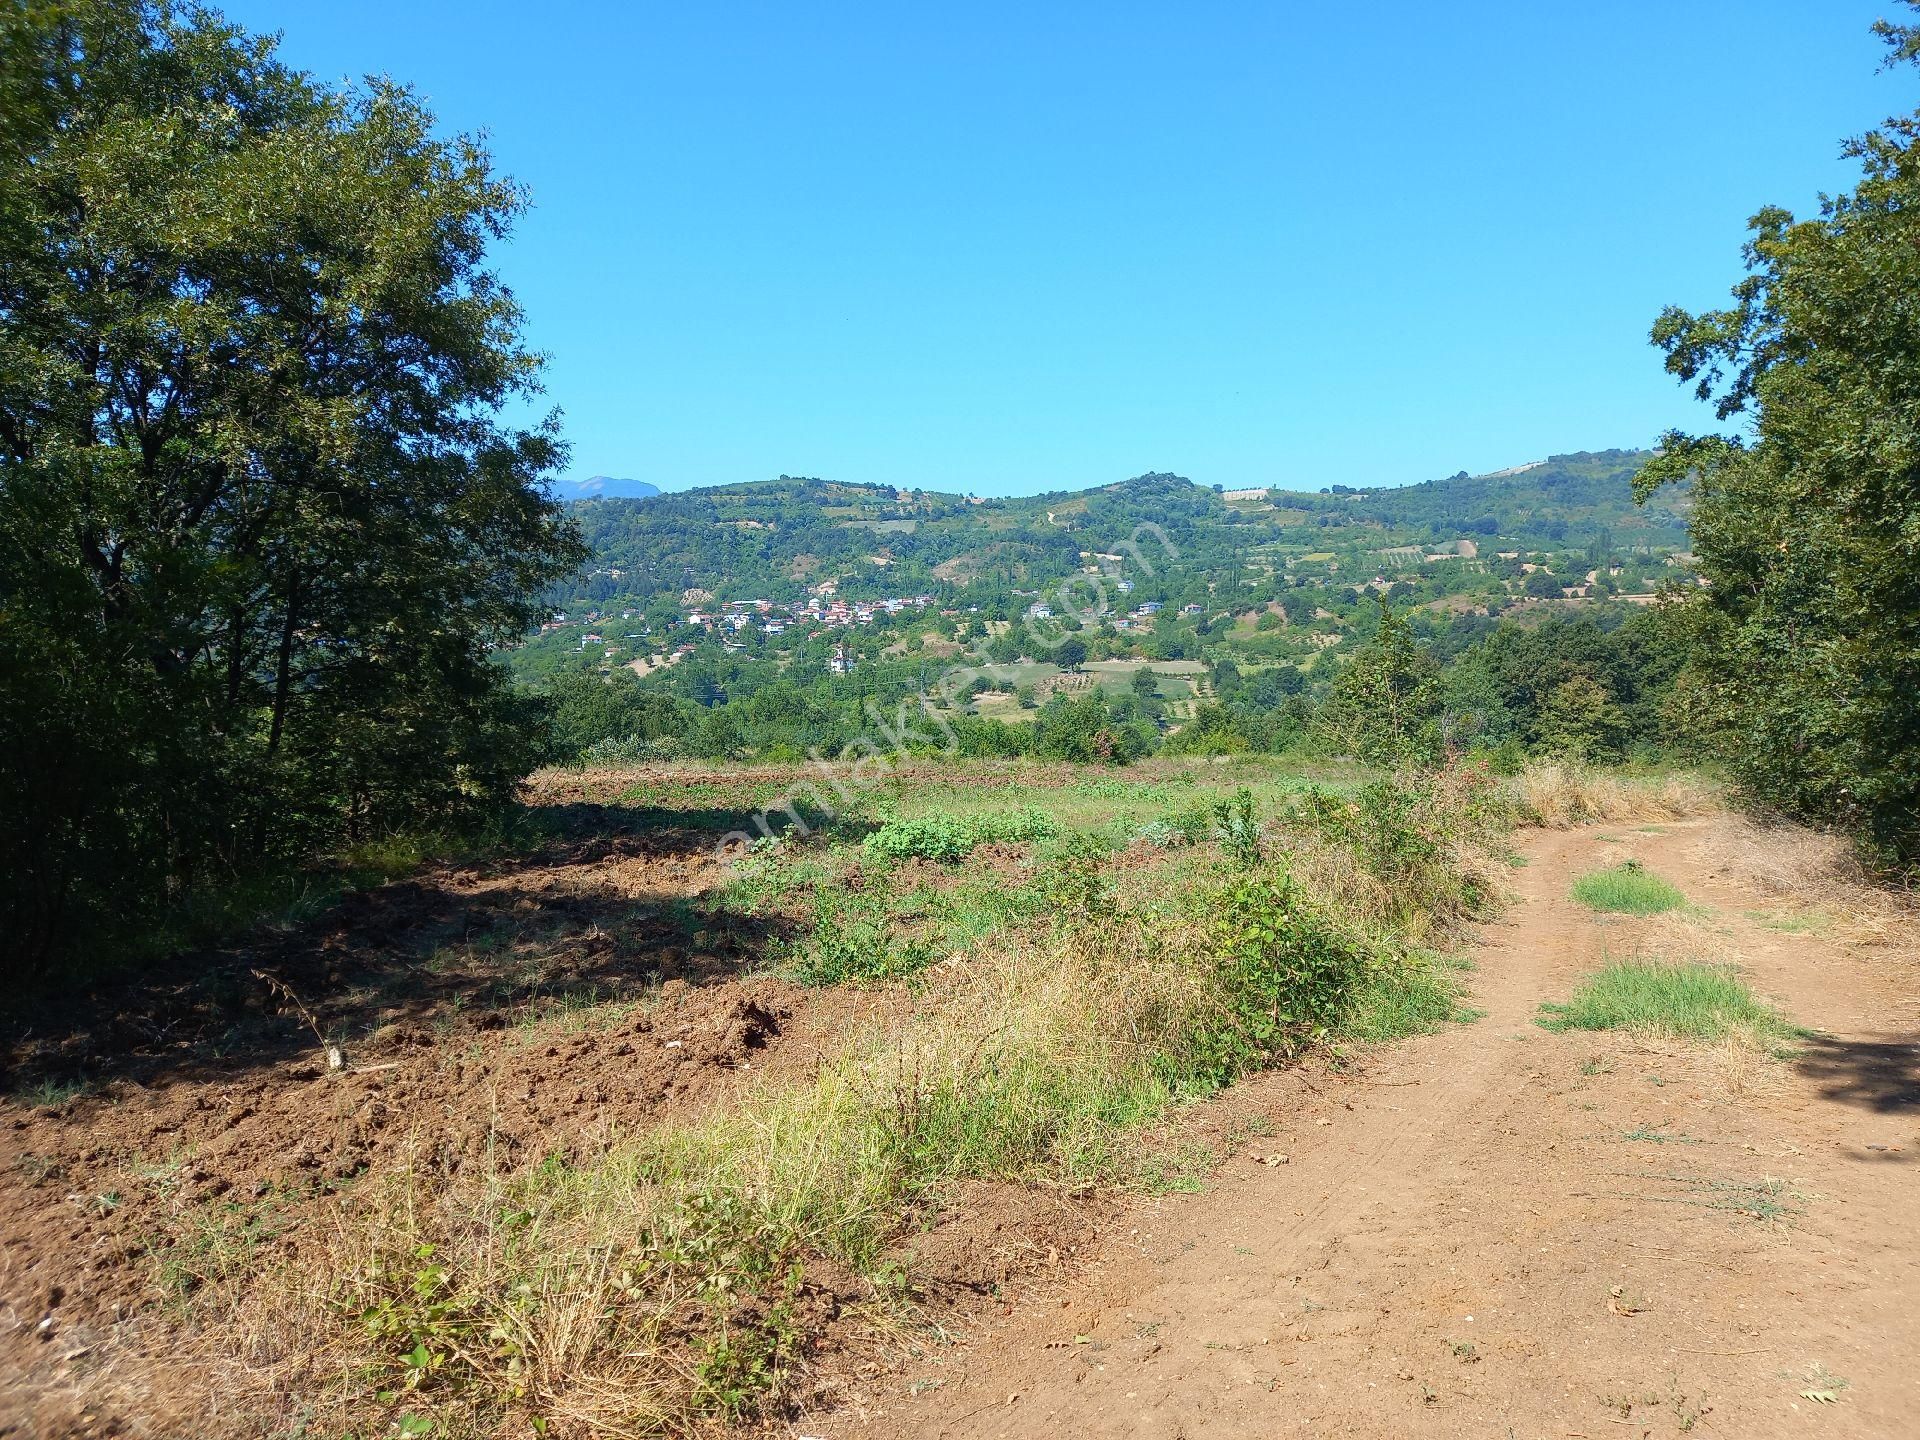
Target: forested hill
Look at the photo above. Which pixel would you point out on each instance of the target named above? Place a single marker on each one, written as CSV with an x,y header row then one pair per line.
x,y
774,539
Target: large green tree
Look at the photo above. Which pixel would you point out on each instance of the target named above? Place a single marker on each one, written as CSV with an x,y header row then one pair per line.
x,y
1384,707
261,525
1807,638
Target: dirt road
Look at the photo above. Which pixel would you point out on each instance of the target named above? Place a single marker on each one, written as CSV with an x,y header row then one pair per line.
x,y
1500,1231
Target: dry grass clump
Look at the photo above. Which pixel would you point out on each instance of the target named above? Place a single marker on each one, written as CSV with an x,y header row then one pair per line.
x,y
1826,890
1559,794
1680,936
1407,858
1737,1068
1424,908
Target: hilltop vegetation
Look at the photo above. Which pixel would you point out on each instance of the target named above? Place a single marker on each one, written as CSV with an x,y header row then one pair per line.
x,y
763,620
775,539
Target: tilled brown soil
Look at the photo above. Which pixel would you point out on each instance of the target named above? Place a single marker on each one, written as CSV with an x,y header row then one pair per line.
x,y
1500,1231
484,1015
503,1012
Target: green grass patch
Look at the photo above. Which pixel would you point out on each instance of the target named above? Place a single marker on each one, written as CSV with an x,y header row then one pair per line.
x,y
50,1093
1684,1001
1414,995
1627,889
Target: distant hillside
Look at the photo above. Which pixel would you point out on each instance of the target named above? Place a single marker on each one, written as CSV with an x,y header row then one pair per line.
x,y
1566,497
604,487
775,538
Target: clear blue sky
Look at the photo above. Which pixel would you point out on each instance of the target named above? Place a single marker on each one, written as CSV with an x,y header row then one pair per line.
x,y
1013,247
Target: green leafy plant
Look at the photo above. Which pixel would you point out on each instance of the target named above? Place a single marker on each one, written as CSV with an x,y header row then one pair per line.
x,y
1237,829
1282,972
1070,881
854,941
950,838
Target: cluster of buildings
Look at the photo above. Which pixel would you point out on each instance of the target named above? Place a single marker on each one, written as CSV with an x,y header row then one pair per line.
x,y
1141,617
594,620
822,609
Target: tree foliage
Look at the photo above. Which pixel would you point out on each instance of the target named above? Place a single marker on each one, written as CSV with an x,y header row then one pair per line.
x,y
260,528
1385,705
1807,639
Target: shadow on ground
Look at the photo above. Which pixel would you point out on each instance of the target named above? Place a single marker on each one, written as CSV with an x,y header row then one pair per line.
x,y
1878,1075
606,904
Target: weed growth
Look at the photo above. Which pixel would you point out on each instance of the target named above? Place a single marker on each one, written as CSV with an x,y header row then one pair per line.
x,y
951,838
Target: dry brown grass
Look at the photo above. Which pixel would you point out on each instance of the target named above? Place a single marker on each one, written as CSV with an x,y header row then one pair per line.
x,y
1687,937
1559,795
633,1291
1738,1069
1377,907
1820,881
1734,1069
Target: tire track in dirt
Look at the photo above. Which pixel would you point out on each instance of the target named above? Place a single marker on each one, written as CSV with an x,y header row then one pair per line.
x,y
1496,1230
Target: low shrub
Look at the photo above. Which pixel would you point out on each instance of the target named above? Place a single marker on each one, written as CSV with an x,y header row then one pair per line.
x,y
944,838
1419,840
1190,823
1159,834
1015,827
951,838
629,750
1069,880
1283,975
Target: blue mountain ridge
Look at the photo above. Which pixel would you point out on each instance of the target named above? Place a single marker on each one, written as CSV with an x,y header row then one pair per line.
x,y
603,487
